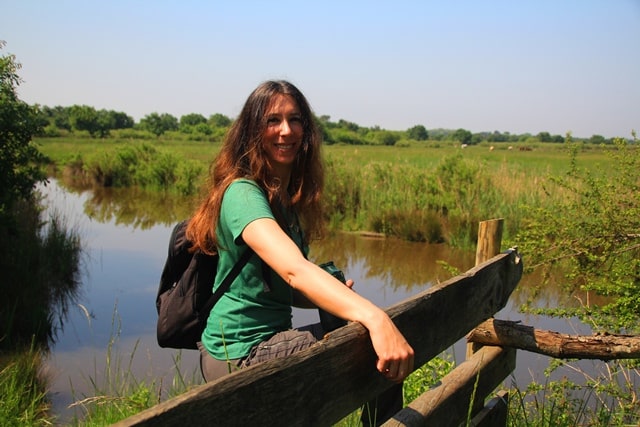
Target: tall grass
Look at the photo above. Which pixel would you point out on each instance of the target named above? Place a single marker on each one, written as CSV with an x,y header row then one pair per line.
x,y
23,397
135,164
608,397
430,205
115,392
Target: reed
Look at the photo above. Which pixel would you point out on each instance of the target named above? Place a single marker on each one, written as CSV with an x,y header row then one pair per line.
x,y
23,397
606,397
115,392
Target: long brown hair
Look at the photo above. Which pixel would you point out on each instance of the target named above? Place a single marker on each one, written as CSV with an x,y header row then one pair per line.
x,y
242,156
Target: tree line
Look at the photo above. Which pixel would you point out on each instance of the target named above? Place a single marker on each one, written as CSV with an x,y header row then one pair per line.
x,y
87,120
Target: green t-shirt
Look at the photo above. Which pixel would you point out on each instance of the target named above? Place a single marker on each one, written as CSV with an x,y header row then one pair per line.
x,y
251,310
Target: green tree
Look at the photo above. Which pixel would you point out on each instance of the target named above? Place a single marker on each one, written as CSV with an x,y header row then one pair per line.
x,y
191,120
544,137
159,123
203,128
386,137
496,136
418,132
597,139
83,117
344,124
322,124
121,120
594,236
219,120
463,136
57,116
20,160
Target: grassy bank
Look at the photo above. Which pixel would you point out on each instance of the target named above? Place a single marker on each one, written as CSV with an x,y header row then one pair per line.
x,y
40,264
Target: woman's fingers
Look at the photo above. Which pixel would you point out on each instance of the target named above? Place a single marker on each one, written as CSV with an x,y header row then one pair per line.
x,y
397,371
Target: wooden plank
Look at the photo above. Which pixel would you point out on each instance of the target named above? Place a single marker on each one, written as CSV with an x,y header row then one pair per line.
x,y
494,414
554,344
323,384
447,404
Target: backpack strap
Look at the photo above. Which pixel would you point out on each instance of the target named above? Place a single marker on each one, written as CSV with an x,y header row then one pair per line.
x,y
226,283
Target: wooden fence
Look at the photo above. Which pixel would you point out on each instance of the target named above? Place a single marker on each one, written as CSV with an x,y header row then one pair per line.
x,y
323,384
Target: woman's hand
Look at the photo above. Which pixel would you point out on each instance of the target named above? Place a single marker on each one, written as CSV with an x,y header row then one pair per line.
x,y
395,355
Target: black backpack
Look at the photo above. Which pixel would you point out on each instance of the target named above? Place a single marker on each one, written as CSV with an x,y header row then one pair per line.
x,y
184,297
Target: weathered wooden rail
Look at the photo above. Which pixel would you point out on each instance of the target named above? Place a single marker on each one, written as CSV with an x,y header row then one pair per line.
x,y
325,383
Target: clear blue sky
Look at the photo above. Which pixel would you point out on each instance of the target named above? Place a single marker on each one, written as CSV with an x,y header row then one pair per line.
x,y
512,66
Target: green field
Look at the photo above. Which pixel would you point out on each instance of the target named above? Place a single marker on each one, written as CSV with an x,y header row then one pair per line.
x,y
431,191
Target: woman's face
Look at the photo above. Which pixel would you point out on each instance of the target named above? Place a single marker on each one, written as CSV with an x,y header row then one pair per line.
x,y
283,135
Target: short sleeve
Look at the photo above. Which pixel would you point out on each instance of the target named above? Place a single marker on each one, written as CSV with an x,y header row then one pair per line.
x,y
243,202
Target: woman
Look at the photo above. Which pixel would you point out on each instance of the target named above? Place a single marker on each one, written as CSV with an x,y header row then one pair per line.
x,y
265,194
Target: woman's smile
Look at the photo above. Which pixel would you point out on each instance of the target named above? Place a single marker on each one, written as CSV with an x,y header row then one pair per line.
x,y
283,134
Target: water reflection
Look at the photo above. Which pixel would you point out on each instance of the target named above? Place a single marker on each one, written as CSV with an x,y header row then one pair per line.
x,y
132,207
126,234
396,264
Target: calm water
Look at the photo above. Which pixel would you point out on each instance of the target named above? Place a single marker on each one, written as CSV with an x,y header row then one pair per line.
x,y
125,236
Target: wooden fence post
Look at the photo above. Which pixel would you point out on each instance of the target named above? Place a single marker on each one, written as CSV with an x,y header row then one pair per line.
x,y
489,239
488,246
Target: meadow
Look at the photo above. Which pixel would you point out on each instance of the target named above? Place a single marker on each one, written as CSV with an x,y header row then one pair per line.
x,y
432,191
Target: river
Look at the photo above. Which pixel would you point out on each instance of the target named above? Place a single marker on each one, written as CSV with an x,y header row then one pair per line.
x,y
112,328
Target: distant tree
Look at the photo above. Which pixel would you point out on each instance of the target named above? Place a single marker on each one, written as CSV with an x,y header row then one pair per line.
x,y
557,138
20,160
418,133
58,116
192,119
97,122
344,136
159,123
597,139
105,121
84,117
188,122
121,120
387,138
523,137
344,124
326,121
544,137
498,137
219,120
203,128
463,136
322,125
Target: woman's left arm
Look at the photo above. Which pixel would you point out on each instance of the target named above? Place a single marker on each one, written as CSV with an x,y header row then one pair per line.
x,y
300,301
266,238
